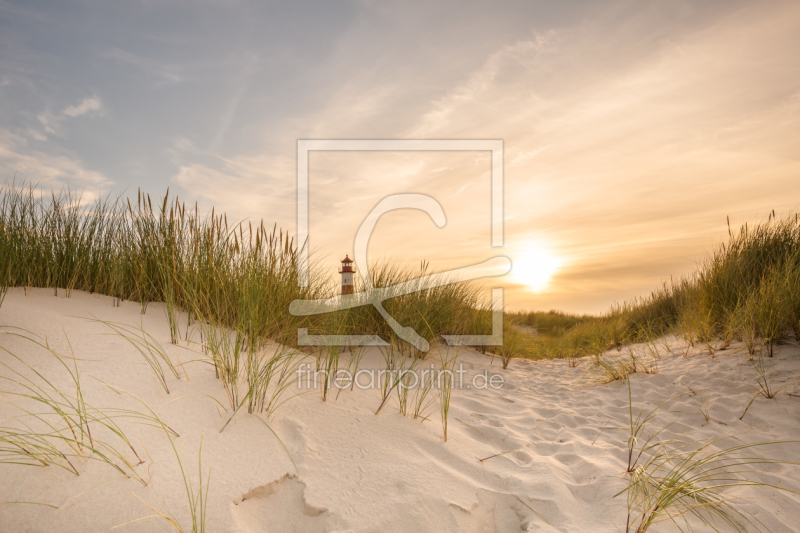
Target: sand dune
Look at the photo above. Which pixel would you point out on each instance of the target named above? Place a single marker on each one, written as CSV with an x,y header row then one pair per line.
x,y
558,461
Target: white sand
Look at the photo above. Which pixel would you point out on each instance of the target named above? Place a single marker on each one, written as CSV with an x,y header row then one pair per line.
x,y
359,472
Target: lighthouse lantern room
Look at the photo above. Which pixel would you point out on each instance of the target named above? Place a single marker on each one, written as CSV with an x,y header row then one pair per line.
x,y
347,275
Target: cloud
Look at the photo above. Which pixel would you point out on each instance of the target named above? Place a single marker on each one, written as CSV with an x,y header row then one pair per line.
x,y
35,134
623,159
18,161
48,121
88,104
52,122
163,73
242,82
629,136
243,187
180,148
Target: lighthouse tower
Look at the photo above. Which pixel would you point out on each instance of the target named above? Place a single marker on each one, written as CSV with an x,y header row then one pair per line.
x,y
347,275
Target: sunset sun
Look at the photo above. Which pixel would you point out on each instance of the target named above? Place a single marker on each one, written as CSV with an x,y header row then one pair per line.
x,y
534,267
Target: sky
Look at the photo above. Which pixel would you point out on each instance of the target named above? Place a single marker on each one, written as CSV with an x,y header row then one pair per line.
x,y
631,130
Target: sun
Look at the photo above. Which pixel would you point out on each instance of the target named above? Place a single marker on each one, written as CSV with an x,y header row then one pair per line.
x,y
534,267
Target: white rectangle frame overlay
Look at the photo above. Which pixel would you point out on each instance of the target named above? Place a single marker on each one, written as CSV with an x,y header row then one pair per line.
x,y
304,146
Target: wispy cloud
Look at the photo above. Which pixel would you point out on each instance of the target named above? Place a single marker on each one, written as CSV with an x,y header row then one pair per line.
x,y
161,72
244,187
88,104
18,160
628,157
631,129
51,122
241,86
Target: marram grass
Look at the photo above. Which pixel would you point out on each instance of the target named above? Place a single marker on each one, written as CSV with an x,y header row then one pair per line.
x,y
747,289
238,276
233,283
690,482
243,277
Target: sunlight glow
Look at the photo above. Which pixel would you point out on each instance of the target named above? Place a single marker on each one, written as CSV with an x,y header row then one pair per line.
x,y
534,267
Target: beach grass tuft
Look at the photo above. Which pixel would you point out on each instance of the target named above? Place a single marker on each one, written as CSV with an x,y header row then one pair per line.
x,y
747,289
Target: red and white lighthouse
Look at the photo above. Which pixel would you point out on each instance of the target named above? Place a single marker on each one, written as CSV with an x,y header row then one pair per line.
x,y
347,275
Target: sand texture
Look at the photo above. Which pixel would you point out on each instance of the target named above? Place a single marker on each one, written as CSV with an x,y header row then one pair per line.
x,y
336,466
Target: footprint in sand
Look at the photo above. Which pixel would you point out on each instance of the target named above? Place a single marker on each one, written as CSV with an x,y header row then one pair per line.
x,y
496,512
521,458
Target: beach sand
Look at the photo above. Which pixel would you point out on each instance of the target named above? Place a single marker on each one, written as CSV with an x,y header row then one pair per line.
x,y
336,466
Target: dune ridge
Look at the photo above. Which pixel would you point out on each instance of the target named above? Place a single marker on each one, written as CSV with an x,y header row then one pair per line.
x,y
540,454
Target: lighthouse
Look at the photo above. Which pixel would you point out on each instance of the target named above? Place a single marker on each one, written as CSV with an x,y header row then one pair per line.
x,y
347,275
